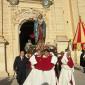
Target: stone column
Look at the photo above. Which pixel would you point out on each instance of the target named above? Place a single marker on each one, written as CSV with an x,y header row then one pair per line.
x,y
1,17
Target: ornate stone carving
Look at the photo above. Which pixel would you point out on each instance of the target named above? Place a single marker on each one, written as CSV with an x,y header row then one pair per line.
x,y
47,3
25,13
14,2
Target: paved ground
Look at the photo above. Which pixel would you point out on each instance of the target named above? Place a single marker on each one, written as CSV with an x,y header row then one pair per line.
x,y
79,78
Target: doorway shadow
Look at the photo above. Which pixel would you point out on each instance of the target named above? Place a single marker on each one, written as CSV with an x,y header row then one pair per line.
x,y
6,81
26,33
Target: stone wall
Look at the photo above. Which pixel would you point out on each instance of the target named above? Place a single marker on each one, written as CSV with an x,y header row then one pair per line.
x,y
61,20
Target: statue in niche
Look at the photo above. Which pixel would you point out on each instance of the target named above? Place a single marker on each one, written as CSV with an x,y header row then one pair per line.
x,y
39,29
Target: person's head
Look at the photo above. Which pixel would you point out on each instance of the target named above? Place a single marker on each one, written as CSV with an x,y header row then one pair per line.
x,y
40,16
69,54
39,51
29,53
83,51
37,47
51,48
62,53
46,52
55,50
66,50
29,41
46,46
22,53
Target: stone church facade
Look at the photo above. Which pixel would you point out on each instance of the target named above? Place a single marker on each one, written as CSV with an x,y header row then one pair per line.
x,y
61,22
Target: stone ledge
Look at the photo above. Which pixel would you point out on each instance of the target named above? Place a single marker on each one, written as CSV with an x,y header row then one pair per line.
x,y
61,38
2,39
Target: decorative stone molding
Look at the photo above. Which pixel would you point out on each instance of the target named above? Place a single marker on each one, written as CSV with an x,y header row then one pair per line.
x,y
26,13
13,2
47,3
62,38
2,39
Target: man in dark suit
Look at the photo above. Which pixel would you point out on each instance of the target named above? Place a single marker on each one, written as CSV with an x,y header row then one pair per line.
x,y
82,60
20,67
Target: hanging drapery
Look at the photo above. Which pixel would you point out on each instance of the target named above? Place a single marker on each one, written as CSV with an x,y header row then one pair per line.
x,y
79,38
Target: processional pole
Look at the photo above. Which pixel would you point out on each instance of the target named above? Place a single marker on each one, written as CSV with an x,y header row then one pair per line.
x,y
2,17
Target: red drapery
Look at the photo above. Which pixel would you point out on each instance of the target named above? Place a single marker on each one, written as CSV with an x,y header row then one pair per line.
x,y
79,38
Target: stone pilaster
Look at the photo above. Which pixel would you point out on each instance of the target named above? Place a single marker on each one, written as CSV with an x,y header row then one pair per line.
x,y
3,58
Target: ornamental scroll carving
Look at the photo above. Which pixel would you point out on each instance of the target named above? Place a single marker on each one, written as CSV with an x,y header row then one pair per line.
x,y
26,13
13,2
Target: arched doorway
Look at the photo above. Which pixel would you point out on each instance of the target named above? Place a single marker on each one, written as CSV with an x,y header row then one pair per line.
x,y
26,33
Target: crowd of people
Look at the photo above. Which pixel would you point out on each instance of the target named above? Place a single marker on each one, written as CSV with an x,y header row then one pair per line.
x,y
43,65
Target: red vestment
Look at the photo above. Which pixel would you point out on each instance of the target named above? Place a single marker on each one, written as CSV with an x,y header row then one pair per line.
x,y
44,64
39,64
70,62
47,65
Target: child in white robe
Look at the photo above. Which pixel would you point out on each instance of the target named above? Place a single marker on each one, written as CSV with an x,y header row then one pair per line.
x,y
66,75
42,74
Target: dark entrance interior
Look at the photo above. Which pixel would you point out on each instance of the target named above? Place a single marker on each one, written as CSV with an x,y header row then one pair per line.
x,y
27,33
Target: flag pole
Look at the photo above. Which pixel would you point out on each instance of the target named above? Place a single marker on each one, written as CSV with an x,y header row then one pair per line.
x,y
73,29
79,17
78,9
2,17
71,14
